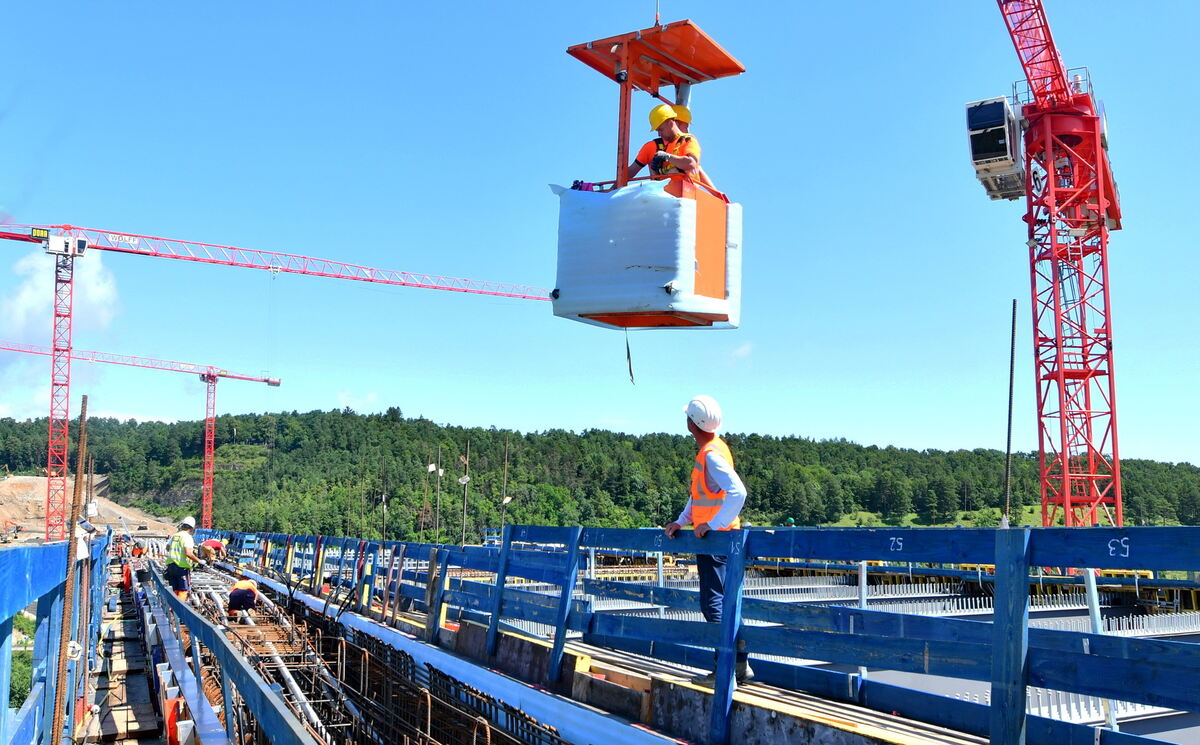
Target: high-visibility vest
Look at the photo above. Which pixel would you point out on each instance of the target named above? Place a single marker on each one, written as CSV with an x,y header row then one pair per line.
x,y
176,553
244,584
706,504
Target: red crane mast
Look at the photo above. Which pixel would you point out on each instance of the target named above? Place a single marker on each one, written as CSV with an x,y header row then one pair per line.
x,y
67,242
1071,205
207,373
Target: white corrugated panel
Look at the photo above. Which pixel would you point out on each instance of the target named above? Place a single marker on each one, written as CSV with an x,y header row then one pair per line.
x,y
633,250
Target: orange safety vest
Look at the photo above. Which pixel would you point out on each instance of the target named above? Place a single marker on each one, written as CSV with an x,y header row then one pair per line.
x,y
706,504
244,584
678,147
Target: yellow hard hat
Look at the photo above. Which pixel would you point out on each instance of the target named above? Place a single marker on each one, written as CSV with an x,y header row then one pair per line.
x,y
682,113
660,114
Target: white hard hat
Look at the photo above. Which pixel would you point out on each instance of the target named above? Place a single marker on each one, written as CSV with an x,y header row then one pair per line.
x,y
188,522
705,413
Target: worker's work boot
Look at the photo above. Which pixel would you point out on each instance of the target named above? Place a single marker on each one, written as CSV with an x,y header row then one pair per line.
x,y
743,672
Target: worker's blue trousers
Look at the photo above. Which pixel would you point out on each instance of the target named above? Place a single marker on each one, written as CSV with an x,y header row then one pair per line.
x,y
711,570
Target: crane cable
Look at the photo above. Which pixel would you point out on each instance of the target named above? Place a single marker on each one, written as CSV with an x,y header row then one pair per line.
x,y
629,358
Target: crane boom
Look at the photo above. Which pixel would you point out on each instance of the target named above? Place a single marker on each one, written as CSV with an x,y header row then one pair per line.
x,y
1030,34
148,363
207,373
212,253
66,242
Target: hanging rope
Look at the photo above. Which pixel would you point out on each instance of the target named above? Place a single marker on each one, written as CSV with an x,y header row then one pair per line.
x,y
629,358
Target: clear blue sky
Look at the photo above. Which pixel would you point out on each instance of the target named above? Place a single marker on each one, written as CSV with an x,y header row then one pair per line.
x,y
421,136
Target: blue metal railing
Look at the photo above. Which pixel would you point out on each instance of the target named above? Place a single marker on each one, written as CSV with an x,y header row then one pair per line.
x,y
36,575
263,704
361,574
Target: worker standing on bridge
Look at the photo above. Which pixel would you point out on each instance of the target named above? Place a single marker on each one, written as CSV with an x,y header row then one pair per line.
x,y
717,497
181,557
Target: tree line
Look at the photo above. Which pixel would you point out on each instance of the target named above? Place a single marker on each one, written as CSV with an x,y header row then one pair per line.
x,y
339,472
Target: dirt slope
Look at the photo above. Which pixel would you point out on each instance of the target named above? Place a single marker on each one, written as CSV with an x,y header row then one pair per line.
x,y
23,501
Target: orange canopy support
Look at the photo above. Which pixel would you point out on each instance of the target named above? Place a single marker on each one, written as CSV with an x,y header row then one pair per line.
x,y
675,54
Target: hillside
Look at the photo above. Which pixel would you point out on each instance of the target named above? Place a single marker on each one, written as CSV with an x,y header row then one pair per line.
x,y
333,472
23,501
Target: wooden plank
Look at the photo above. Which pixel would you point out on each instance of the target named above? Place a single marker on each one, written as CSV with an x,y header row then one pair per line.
x,y
684,542
541,534
621,676
1116,548
122,630
957,545
127,710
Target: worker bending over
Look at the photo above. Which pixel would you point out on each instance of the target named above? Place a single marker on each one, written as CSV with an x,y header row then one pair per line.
x,y
181,557
674,150
212,549
243,595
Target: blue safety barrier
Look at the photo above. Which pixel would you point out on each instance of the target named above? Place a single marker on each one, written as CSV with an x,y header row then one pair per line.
x,y
374,577
36,575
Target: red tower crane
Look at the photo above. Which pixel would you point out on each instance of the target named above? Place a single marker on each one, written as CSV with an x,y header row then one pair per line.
x,y
67,242
207,373
1071,205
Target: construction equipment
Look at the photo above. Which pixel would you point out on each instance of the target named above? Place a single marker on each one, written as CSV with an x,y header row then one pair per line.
x,y
9,532
1071,205
208,375
67,242
658,252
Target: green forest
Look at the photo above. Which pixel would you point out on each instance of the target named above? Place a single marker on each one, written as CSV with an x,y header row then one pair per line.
x,y
343,473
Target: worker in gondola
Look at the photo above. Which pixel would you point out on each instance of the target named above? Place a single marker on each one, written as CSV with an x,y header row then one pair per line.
x,y
717,498
243,595
181,557
674,150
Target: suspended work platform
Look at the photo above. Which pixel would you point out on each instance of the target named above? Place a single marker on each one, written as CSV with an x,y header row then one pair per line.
x,y
663,252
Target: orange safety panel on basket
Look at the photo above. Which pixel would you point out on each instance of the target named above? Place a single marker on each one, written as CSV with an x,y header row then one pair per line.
x,y
639,320
711,229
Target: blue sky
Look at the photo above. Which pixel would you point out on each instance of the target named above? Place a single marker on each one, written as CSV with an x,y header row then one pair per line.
x,y
421,137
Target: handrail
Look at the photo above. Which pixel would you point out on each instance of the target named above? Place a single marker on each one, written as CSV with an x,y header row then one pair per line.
x,y
1006,652
29,575
264,705
612,185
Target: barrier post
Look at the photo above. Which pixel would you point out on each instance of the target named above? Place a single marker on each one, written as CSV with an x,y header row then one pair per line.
x,y
435,589
1010,638
565,598
731,624
397,595
5,673
498,596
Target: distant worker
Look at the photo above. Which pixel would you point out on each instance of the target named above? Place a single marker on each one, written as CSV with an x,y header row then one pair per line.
x,y
181,557
212,549
243,595
674,150
717,498
790,522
